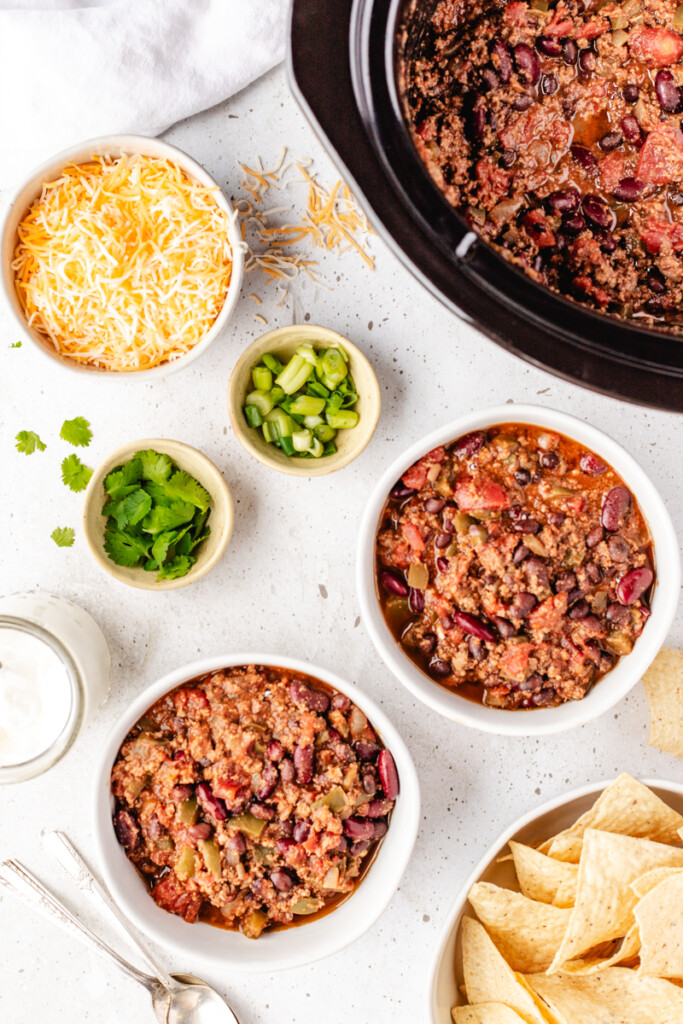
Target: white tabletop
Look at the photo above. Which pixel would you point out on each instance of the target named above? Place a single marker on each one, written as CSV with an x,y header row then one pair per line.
x,y
286,584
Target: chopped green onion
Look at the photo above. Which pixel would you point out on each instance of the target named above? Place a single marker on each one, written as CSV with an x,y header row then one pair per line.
x,y
262,377
307,352
277,394
324,433
334,402
295,374
282,421
314,387
302,440
304,405
330,448
273,364
270,433
287,446
342,419
316,448
253,416
311,422
333,366
262,400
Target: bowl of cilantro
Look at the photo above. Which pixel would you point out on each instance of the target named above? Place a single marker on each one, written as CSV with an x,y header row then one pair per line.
x,y
158,514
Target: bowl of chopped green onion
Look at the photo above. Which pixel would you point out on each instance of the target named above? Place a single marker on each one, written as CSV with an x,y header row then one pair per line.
x,y
157,515
304,400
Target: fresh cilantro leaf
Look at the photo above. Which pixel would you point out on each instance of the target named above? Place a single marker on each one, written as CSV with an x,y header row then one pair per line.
x,y
77,432
124,480
200,540
27,441
185,488
178,566
150,565
184,545
198,523
164,517
116,510
136,506
74,474
63,536
165,541
155,466
15,344
159,492
125,548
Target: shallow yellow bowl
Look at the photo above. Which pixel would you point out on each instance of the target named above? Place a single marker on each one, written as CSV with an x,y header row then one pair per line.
x,y
220,519
282,342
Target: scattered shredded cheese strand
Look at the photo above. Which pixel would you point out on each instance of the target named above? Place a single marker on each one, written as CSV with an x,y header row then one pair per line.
x,y
124,263
332,221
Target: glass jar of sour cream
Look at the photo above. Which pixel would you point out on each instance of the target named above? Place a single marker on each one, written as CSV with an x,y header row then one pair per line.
x,y
54,673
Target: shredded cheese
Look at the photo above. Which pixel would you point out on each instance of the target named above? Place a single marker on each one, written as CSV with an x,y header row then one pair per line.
x,y
332,220
123,263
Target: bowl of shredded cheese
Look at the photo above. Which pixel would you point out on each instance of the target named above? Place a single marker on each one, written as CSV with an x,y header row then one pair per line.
x,y
121,256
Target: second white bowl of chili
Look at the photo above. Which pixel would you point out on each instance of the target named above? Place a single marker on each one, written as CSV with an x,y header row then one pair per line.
x,y
511,583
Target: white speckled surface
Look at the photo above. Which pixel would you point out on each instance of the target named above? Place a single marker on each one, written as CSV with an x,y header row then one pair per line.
x,y
285,584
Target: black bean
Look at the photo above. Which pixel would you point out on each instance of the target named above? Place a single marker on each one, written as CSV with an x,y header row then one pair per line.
x,y
556,518
608,242
655,281
400,491
629,190
476,648
610,141
564,200
549,85
587,60
597,210
523,102
508,157
565,581
617,613
440,668
675,196
522,605
668,93
549,46
427,644
532,684
579,610
575,224
570,51
505,628
593,572
527,62
549,460
630,92
544,699
490,79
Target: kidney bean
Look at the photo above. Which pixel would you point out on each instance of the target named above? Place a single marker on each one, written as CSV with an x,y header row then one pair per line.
x,y
301,831
366,750
282,880
428,644
274,751
505,628
127,830
655,281
583,157
537,569
400,492
575,224
287,771
500,50
393,583
446,622
618,548
442,564
564,200
617,613
378,808
587,60
549,46
237,843
202,830
527,62
675,196
508,158
594,537
416,601
388,775
179,754
440,668
526,526
631,92
209,803
631,128
532,684
593,572
654,306
304,756
522,605
565,581
667,91
359,828
361,848
579,610
369,784
467,446
314,700
472,625
597,210
544,698
523,476
615,508
270,777
570,51
340,702
442,540
262,811
380,829
549,460
607,661
549,84
521,552
610,141
180,793
523,102
574,595
476,649
634,584
608,242
629,190
591,464
489,80
434,504
556,518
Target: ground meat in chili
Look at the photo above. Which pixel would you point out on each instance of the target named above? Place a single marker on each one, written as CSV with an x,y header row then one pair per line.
x,y
252,797
515,565
555,128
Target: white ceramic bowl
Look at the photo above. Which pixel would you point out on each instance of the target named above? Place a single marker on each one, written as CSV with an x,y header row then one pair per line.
x,y
200,943
114,146
611,688
532,828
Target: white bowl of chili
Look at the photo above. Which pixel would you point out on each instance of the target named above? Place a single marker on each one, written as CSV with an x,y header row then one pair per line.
x,y
139,333
201,943
614,684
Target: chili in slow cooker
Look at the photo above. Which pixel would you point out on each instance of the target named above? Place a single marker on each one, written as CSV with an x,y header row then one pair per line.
x,y
515,566
253,797
554,126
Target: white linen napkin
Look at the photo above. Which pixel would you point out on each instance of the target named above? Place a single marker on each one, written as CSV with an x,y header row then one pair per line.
x,y
74,69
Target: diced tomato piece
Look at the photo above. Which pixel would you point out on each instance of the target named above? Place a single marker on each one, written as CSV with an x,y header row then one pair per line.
x,y
170,895
416,476
492,177
514,662
661,158
536,225
593,29
586,285
655,47
413,536
516,13
482,493
559,27
549,613
190,700
657,232
611,170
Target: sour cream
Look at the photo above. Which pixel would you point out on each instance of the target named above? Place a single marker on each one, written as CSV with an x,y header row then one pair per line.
x,y
35,696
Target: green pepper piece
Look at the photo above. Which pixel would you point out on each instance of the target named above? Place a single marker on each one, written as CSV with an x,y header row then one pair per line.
x,y
211,855
335,800
249,824
166,843
307,905
189,809
254,923
186,864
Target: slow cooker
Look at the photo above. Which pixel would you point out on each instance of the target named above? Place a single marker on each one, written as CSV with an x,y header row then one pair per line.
x,y
342,61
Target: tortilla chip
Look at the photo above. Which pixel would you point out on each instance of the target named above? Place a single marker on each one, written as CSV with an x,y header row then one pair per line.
x,y
647,882
544,878
625,807
659,916
607,955
615,996
663,684
604,898
527,933
486,1013
488,979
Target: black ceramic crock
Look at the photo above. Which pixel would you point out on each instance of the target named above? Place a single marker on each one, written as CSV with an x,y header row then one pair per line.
x,y
342,67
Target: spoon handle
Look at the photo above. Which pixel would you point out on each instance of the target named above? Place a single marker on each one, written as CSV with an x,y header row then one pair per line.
x,y
27,887
63,850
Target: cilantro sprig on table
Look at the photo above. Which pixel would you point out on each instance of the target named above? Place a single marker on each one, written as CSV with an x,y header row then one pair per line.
x,y
76,432
156,515
63,536
75,474
28,442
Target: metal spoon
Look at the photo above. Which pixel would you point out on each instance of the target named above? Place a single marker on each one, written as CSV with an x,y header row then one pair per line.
x,y
192,1001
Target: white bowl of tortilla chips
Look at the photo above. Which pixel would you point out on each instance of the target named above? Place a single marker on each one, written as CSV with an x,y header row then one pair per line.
x,y
573,916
